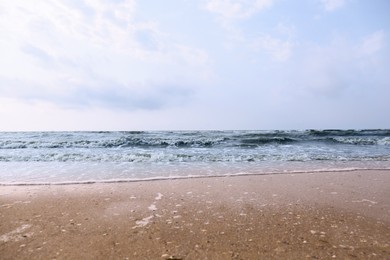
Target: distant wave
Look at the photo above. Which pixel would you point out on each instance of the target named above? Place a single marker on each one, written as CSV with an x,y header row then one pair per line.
x,y
199,139
350,132
360,140
196,146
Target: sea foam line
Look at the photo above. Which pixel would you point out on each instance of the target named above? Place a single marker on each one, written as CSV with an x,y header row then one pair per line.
x,y
178,177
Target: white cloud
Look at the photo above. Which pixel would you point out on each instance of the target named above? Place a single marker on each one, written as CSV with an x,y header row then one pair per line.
x,y
70,50
230,11
329,70
236,9
331,5
278,49
372,43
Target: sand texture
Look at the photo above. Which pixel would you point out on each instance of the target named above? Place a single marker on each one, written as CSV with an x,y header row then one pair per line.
x,y
339,215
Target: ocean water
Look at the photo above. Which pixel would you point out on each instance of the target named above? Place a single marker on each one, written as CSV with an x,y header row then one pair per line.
x,y
83,157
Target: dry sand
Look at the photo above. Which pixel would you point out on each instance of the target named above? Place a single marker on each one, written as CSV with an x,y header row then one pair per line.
x,y
339,215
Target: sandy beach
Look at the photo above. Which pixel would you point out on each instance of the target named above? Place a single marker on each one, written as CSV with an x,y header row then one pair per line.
x,y
329,215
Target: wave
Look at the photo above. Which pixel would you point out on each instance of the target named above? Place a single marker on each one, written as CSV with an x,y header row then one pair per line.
x,y
159,142
350,132
171,157
125,141
361,140
198,139
266,140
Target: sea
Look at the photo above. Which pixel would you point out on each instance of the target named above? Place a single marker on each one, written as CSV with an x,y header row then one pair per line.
x,y
41,158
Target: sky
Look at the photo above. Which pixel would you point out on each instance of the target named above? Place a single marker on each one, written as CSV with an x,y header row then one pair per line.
x,y
194,64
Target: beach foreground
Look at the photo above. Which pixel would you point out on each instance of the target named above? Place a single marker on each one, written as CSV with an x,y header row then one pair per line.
x,y
342,215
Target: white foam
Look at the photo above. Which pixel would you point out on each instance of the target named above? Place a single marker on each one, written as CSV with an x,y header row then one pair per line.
x,y
365,200
14,235
180,177
152,207
143,222
159,196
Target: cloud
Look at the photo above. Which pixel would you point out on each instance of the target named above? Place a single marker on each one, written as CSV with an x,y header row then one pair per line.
x,y
229,12
329,70
278,49
372,43
109,94
123,97
91,53
332,5
40,55
236,9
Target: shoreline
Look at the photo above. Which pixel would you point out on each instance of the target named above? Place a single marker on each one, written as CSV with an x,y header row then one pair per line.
x,y
323,215
178,177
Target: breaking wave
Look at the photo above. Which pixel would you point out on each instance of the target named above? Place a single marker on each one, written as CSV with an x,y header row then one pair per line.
x,y
196,146
72,157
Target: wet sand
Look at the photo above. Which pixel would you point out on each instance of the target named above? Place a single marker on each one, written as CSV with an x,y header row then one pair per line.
x,y
339,215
